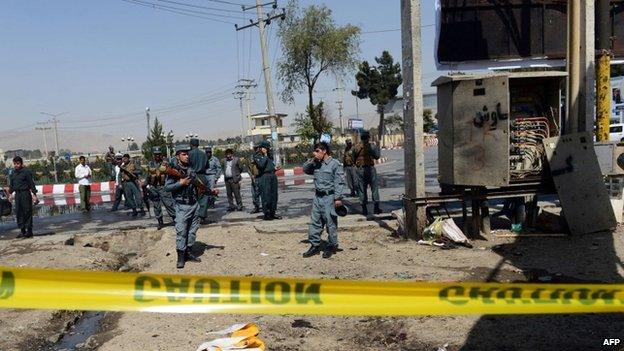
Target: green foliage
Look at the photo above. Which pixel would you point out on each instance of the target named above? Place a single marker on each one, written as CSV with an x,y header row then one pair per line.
x,y
379,83
394,124
428,121
312,45
311,128
156,138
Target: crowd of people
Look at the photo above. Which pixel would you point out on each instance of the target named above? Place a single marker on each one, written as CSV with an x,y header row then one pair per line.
x,y
185,188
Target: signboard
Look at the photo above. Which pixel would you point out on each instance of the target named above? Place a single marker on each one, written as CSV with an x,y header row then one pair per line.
x,y
325,138
617,99
274,136
355,123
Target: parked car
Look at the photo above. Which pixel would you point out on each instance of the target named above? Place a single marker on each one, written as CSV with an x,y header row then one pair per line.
x,y
616,132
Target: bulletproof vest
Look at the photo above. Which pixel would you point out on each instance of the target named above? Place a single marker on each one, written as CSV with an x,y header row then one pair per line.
x,y
253,167
130,167
364,157
157,173
188,192
347,159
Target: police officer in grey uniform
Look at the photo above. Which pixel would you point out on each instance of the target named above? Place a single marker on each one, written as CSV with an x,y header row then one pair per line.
x,y
155,181
198,163
329,187
364,156
185,196
213,172
267,181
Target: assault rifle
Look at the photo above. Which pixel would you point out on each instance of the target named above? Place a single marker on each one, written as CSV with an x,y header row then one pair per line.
x,y
177,173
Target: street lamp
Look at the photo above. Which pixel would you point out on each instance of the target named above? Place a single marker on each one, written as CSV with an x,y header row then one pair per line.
x,y
167,137
128,140
191,135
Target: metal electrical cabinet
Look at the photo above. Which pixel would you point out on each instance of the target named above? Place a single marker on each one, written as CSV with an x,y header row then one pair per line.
x,y
491,126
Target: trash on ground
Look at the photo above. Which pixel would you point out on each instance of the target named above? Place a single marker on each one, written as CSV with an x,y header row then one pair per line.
x,y
239,337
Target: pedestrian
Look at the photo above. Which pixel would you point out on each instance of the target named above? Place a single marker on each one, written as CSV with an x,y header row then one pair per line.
x,y
253,174
213,172
349,168
198,161
118,182
232,170
364,154
83,176
267,181
184,191
22,184
129,177
329,188
110,162
155,187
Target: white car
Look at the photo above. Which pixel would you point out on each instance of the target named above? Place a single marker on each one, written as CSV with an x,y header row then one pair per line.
x,y
616,132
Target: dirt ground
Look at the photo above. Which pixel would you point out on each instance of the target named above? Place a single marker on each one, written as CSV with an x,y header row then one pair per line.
x,y
370,251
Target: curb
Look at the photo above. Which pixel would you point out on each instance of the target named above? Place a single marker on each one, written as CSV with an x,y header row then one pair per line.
x,y
106,187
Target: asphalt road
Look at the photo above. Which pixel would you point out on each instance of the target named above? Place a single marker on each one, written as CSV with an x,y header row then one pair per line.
x,y
294,201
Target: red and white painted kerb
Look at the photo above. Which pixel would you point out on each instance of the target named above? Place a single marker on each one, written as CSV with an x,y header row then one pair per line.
x,y
108,187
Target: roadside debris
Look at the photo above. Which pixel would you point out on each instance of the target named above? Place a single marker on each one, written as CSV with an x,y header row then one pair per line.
x,y
238,337
444,233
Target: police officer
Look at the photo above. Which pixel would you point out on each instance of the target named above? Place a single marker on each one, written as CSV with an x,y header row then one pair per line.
x,y
184,191
198,162
129,176
329,188
253,174
267,181
22,184
349,168
213,172
155,186
365,155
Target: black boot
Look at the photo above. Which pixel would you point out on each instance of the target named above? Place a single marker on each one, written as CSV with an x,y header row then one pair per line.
x,y
256,210
190,256
313,250
329,251
377,209
161,224
180,263
364,210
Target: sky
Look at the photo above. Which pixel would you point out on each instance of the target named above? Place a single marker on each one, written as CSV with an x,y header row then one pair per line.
x,y
102,62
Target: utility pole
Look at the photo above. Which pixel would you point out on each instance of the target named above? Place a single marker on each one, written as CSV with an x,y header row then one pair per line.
x,y
587,95
147,115
266,68
340,89
242,93
603,71
415,217
45,139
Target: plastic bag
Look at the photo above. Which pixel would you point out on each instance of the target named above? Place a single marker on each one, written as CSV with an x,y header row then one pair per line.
x,y
433,232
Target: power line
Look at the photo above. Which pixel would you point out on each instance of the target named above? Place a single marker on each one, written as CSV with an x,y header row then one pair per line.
x,y
157,7
201,7
227,2
394,30
187,10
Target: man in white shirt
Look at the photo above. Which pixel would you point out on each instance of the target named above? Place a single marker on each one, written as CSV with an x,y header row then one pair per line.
x,y
83,176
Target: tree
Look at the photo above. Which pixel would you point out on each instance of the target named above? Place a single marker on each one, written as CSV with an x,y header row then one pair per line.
x,y
380,84
428,121
313,45
304,126
394,124
156,138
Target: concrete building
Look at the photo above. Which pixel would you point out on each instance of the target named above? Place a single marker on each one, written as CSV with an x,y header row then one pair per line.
x,y
260,126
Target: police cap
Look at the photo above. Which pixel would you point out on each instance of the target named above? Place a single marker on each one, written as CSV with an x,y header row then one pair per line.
x,y
182,148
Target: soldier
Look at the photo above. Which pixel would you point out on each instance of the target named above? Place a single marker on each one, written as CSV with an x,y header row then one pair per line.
x,y
129,176
267,181
185,195
22,184
198,161
349,168
213,172
329,187
254,173
155,186
365,155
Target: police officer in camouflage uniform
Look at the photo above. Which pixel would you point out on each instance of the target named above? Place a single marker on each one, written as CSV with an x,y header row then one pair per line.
x,y
213,172
156,177
329,187
129,176
267,181
254,173
185,197
365,155
198,162
349,168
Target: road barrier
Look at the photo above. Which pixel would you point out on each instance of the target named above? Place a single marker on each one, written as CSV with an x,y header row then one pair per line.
x,y
150,292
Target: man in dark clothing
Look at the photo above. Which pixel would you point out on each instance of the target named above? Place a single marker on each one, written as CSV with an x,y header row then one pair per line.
x,y
267,181
364,155
254,174
232,170
198,161
349,168
22,183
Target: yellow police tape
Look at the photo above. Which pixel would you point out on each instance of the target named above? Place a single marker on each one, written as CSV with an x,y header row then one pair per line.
x,y
113,291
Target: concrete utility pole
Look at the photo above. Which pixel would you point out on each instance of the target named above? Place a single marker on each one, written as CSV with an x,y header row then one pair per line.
x,y
603,71
587,96
266,68
340,89
573,65
242,93
45,139
147,115
415,217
